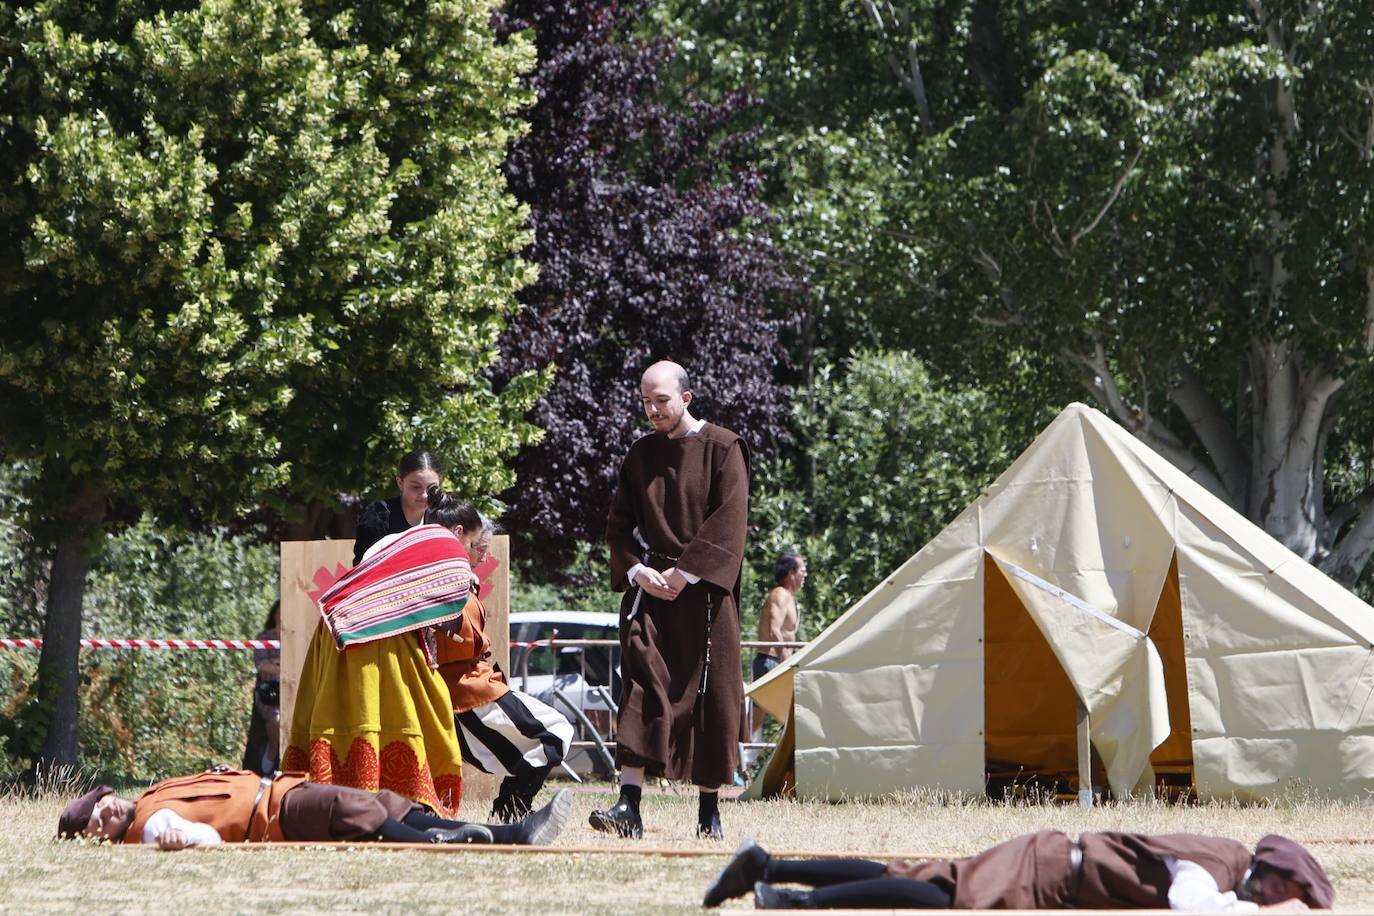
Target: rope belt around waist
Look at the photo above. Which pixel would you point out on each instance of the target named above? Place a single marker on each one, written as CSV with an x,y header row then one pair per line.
x,y
649,554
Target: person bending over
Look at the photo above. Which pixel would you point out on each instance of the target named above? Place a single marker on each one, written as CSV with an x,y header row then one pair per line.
x,y
1045,871
372,711
500,730
238,806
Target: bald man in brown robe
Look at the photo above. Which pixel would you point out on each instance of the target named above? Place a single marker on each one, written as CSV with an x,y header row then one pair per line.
x,y
676,533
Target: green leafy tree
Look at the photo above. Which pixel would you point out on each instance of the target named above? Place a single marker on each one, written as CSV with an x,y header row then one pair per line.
x,y
1174,203
896,457
832,149
1165,206
250,251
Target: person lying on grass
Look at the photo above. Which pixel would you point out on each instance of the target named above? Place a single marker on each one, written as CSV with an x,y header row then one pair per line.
x,y
236,806
1045,871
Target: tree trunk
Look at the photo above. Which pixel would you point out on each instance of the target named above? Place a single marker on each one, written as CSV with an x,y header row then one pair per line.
x,y
1286,409
58,672
317,520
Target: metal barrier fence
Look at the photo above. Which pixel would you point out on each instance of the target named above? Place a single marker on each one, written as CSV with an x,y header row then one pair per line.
x,y
581,678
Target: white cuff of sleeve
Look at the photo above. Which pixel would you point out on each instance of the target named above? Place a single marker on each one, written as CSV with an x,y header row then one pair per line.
x,y
165,819
635,570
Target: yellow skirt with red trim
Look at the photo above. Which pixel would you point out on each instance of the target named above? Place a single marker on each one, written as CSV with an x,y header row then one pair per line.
x,y
376,716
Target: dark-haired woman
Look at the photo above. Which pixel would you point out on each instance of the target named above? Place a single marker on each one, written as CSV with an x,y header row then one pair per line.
x,y
417,472
371,710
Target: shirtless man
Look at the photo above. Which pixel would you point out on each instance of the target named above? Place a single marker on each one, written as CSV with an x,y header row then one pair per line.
x,y
778,620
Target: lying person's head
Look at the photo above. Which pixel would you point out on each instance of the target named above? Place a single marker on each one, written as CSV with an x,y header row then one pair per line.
x,y
1284,870
99,813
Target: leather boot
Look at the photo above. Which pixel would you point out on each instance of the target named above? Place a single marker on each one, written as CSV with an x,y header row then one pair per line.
x,y
747,867
516,798
543,826
468,833
503,805
769,897
622,819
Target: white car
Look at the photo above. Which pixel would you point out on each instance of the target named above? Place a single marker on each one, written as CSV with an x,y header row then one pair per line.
x,y
582,682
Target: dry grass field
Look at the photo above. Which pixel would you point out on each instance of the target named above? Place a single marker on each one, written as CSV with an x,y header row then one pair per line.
x,y
40,874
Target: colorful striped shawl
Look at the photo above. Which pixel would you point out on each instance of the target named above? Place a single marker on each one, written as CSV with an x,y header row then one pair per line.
x,y
419,580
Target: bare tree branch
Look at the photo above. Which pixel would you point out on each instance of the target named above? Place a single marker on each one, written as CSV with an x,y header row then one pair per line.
x,y
909,75
1351,553
1100,383
917,86
1346,512
1111,199
993,272
1316,394
991,269
1000,321
1216,433
1058,242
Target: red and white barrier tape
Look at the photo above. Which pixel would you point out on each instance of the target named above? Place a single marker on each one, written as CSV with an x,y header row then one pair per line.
x,y
152,643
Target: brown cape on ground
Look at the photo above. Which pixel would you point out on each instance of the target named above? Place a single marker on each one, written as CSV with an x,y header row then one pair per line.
x,y
689,500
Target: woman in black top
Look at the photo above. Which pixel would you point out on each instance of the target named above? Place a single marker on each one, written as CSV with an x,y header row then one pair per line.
x,y
417,472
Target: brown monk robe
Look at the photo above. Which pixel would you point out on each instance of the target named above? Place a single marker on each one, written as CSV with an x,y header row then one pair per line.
x,y
676,532
689,499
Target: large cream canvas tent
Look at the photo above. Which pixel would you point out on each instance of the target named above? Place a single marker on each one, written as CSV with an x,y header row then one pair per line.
x,y
1092,575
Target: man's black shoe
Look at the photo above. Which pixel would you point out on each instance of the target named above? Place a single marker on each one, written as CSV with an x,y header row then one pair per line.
x,y
468,833
711,831
768,897
620,819
746,868
543,826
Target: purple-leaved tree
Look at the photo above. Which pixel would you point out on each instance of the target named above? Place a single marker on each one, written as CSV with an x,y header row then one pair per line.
x,y
651,242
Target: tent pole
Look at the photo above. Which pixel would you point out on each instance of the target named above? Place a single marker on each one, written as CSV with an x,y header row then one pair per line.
x,y
1085,759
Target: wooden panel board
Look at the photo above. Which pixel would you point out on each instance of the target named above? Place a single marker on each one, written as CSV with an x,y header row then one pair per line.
x,y
300,562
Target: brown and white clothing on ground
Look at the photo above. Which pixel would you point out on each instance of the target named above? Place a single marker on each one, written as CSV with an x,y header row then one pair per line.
x,y
1048,871
500,730
687,499
235,806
